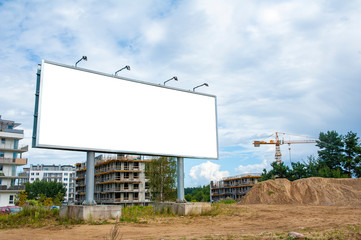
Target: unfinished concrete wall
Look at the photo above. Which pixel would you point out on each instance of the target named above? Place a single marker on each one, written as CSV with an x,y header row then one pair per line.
x,y
89,213
192,208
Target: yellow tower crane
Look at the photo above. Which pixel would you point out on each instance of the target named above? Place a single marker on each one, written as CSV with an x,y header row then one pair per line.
x,y
277,142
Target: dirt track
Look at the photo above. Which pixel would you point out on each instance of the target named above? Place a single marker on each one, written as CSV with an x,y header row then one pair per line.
x,y
234,222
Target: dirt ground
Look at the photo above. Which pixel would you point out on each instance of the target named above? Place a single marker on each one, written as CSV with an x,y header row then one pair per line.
x,y
254,221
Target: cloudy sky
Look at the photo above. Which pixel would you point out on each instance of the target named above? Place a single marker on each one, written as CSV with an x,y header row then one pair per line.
x,y
286,66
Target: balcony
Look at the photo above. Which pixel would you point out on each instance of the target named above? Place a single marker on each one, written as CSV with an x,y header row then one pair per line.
x,y
12,134
106,170
116,179
11,148
4,188
14,161
2,176
18,131
115,189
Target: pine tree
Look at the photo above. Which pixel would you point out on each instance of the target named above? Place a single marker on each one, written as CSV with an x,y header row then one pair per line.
x,y
351,160
331,149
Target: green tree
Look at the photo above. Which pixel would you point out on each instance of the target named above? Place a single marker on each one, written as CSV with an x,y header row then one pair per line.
x,y
312,166
21,198
299,170
43,189
331,149
279,170
161,173
197,194
351,159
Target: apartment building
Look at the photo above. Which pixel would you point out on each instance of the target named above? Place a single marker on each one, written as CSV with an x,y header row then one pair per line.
x,y
59,173
233,187
119,179
10,158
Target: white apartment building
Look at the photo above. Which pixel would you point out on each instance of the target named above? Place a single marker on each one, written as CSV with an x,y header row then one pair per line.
x,y
59,173
10,157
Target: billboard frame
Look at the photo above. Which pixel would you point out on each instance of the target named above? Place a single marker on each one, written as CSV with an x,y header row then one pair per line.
x,y
37,117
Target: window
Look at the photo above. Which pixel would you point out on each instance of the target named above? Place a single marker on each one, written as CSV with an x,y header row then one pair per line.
x,y
37,174
0,181
65,179
66,174
32,174
136,165
11,199
136,186
2,140
2,154
126,196
31,179
16,144
126,166
1,167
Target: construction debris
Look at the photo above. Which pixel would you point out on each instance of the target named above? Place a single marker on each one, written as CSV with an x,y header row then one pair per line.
x,y
296,235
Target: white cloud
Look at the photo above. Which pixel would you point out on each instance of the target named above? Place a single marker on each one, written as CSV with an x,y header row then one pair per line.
x,y
206,172
253,168
290,66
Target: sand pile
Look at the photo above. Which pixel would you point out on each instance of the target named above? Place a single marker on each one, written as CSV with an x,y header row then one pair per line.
x,y
309,191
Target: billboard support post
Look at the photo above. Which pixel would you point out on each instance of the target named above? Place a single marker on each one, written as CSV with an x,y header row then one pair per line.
x,y
89,179
180,180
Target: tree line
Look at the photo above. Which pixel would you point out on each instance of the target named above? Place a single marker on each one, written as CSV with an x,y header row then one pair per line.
x,y
339,156
197,194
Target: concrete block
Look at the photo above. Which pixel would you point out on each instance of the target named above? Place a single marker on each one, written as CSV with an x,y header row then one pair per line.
x,y
183,209
92,212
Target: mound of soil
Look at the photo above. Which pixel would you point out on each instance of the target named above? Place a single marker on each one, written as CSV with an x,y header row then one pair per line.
x,y
310,191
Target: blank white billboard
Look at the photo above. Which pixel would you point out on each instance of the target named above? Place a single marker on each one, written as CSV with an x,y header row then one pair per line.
x,y
90,111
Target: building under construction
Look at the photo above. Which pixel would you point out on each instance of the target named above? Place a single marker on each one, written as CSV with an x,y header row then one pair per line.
x,y
233,187
119,179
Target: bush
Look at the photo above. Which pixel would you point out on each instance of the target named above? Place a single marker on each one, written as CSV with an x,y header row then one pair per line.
x,y
35,216
228,201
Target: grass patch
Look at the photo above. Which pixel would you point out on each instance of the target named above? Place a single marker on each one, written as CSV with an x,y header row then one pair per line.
x,y
35,217
228,201
349,232
140,214
30,216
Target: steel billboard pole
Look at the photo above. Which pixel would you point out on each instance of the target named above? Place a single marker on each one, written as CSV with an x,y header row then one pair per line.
x,y
89,179
180,180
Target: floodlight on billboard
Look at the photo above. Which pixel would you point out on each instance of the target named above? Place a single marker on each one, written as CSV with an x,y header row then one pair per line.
x,y
84,110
